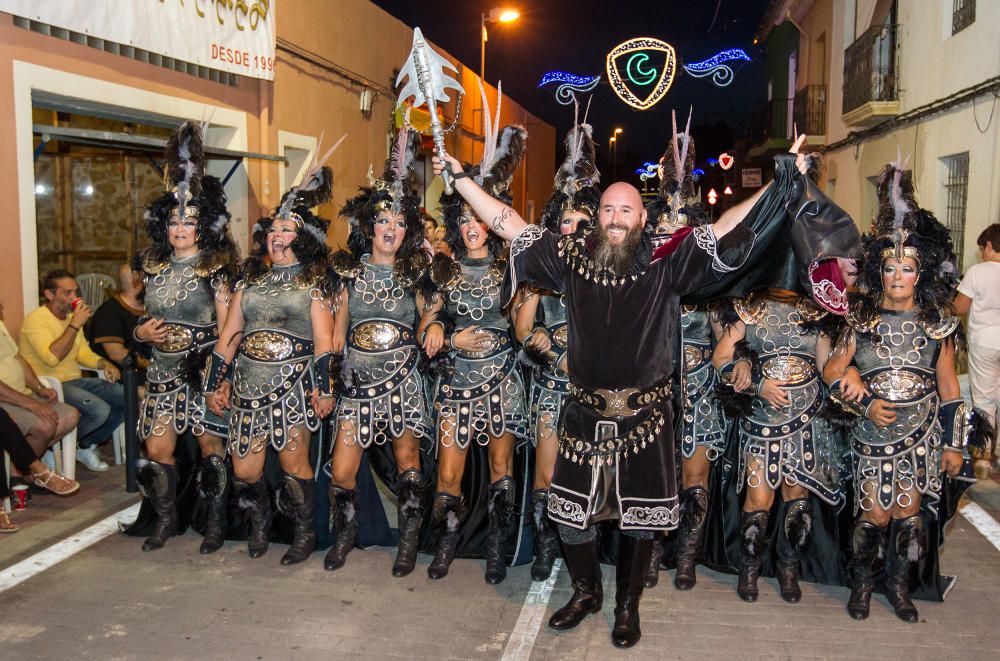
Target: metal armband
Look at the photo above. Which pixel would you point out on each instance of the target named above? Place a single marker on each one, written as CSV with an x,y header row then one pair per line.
x,y
322,370
218,371
955,424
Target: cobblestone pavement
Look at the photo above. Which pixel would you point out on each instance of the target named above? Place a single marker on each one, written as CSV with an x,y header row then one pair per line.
x,y
111,601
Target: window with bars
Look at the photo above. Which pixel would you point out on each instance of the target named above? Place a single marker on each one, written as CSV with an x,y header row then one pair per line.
x,y
956,190
963,14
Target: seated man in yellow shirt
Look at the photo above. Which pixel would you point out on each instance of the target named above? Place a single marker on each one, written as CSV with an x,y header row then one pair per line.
x,y
32,406
53,344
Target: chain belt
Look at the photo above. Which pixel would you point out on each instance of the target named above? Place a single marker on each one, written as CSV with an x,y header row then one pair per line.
x,y
622,403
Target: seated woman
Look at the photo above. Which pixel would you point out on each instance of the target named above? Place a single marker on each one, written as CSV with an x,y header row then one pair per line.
x,y
13,442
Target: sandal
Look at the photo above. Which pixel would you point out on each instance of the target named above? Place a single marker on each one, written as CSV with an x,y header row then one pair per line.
x,y
6,525
56,483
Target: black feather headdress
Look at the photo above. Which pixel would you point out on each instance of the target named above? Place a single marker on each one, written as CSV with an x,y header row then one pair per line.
x,y
576,181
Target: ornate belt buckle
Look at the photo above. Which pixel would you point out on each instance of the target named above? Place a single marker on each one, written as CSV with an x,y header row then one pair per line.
x,y
267,346
616,402
178,338
375,336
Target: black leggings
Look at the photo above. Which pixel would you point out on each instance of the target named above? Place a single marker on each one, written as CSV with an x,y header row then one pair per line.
x,y
13,442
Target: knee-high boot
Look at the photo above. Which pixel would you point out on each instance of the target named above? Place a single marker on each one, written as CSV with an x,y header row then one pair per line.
x,y
546,538
447,515
215,478
867,544
256,499
906,545
588,592
753,528
630,577
793,535
410,494
344,519
694,507
502,508
300,494
159,484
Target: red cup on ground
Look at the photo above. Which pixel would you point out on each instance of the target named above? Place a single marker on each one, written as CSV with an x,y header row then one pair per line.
x,y
76,303
19,496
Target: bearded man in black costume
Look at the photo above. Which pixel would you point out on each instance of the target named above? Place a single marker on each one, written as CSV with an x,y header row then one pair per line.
x,y
616,454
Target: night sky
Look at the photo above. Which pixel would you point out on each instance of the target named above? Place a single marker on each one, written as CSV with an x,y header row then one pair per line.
x,y
575,36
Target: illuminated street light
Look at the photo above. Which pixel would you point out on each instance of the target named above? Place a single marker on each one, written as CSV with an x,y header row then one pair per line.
x,y
496,15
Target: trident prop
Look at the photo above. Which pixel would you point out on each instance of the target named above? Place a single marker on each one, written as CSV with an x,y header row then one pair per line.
x,y
427,84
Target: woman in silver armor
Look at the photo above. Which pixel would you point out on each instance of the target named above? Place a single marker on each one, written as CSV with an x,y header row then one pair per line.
x,y
703,426
272,363
540,327
382,398
776,352
894,368
188,269
480,400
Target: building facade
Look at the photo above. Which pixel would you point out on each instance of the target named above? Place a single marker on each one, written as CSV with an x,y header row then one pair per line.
x,y
77,116
876,78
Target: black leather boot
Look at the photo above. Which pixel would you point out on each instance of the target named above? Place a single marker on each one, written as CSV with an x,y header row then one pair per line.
x,y
215,478
344,522
906,544
256,499
546,538
630,577
694,507
753,528
867,544
300,494
447,515
159,485
502,509
792,536
588,592
410,496
655,557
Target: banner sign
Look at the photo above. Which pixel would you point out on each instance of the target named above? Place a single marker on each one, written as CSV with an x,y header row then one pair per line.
x,y
236,36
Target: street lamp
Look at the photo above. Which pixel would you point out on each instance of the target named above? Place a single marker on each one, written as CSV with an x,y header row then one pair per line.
x,y
496,15
613,148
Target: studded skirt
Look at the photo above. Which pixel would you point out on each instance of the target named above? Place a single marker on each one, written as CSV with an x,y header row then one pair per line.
x,y
272,386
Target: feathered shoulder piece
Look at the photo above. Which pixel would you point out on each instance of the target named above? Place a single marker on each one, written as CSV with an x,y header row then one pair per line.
x,y
863,315
346,264
411,271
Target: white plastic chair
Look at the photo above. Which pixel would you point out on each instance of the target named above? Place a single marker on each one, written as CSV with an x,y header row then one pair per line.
x,y
65,449
118,437
93,287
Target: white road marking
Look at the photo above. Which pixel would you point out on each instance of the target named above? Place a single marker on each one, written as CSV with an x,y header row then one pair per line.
x,y
983,522
522,638
53,555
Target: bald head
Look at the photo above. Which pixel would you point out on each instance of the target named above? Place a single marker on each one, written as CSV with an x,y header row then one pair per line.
x,y
621,210
129,281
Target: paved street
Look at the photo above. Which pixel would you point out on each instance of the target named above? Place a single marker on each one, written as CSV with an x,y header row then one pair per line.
x,y
110,601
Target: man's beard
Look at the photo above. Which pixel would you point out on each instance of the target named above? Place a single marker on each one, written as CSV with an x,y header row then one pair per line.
x,y
616,258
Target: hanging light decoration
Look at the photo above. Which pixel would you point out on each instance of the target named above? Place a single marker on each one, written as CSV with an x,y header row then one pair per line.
x,y
629,64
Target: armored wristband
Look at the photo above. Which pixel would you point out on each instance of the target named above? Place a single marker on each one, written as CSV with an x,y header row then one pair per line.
x,y
322,372
217,372
955,424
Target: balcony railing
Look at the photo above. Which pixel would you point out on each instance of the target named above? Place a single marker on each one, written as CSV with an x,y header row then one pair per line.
x,y
963,14
871,67
770,122
810,110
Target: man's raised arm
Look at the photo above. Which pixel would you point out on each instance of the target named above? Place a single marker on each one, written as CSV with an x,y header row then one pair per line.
x,y
499,217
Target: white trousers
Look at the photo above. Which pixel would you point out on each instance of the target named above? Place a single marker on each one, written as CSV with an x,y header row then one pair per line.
x,y
984,382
